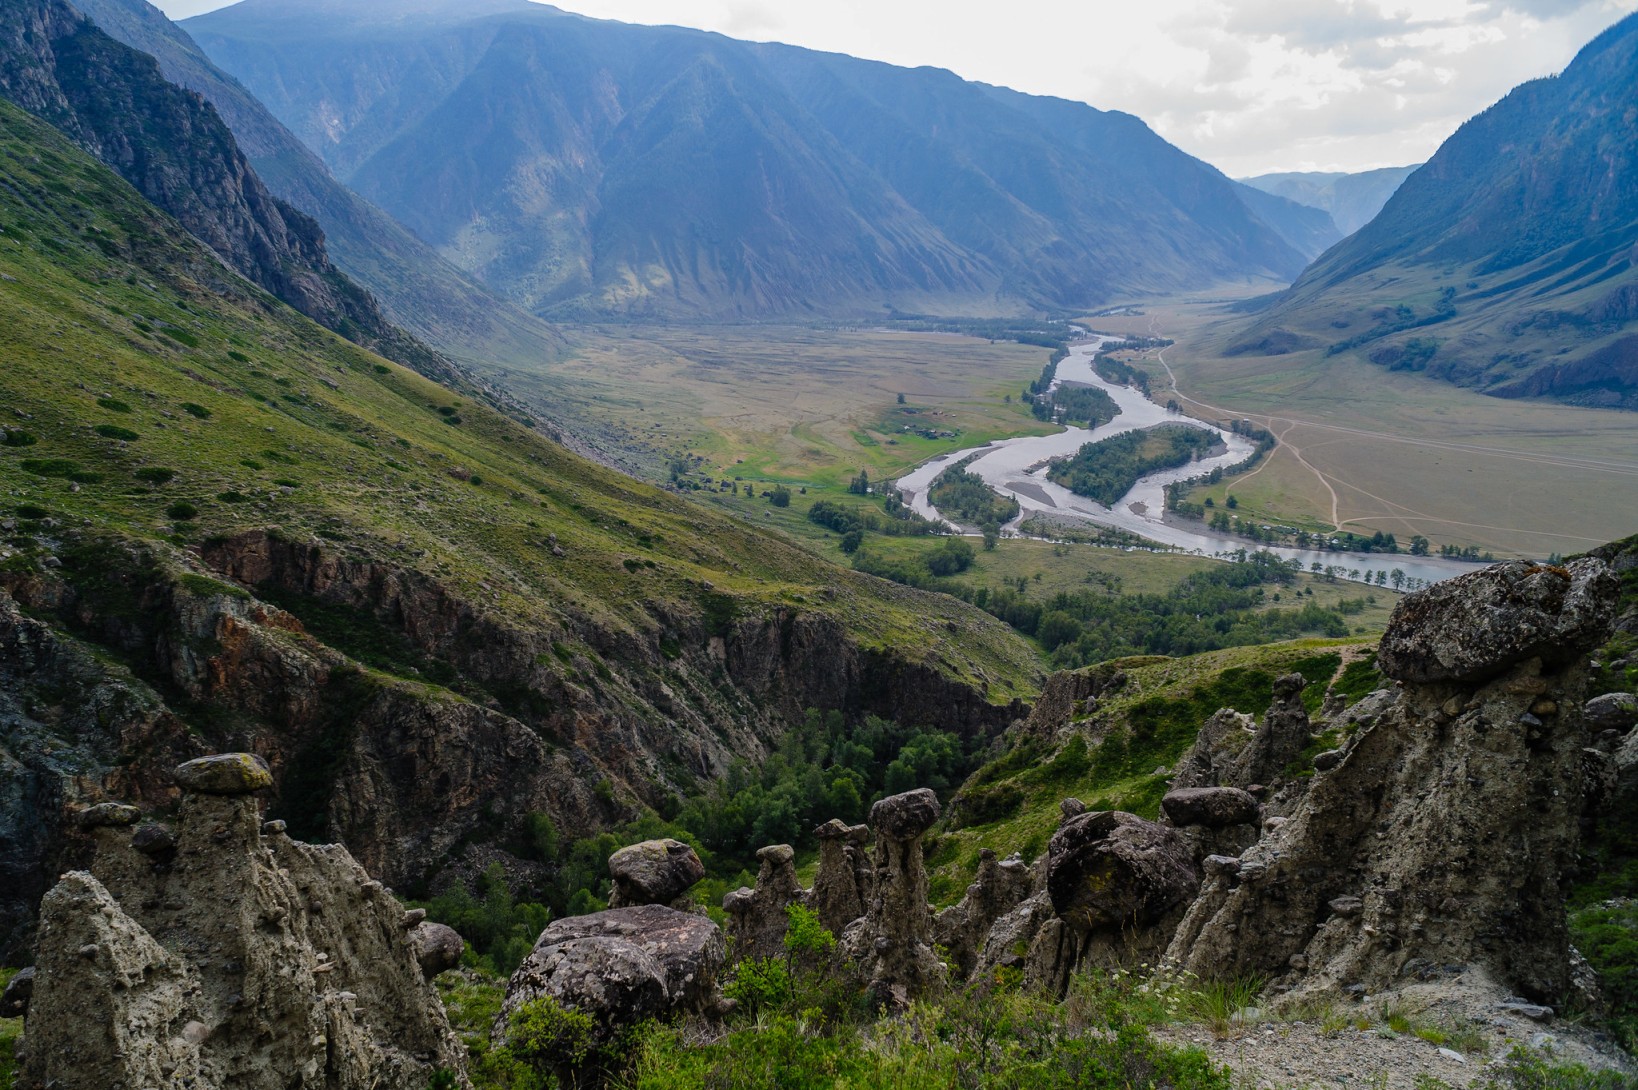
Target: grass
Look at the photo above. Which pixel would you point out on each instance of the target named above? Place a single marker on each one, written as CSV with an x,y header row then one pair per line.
x,y
1113,753
800,405
267,420
11,1029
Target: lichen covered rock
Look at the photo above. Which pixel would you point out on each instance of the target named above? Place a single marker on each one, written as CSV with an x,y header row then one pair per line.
x,y
654,872
1476,625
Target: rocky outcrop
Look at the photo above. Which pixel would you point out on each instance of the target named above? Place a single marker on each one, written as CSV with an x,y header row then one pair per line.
x,y
1232,751
1117,884
654,872
892,945
757,917
1471,628
235,960
620,967
424,785
1443,835
962,929
843,885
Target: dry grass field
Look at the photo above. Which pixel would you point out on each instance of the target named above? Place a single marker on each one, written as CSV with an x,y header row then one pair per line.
x,y
1365,449
799,405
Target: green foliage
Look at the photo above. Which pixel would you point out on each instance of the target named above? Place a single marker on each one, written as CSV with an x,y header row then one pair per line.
x,y
11,1030
822,769
995,1041
114,431
1530,1069
58,467
965,498
760,984
1607,936
950,558
807,941
1107,470
547,1034
155,475
541,833
16,437
499,929
1359,678
443,1079
113,405
182,511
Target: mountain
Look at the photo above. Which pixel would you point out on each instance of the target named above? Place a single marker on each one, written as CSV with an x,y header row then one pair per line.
x,y
225,527
586,166
1352,200
1506,262
113,101
419,290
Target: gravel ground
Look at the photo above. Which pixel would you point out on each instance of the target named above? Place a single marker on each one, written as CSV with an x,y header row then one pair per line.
x,y
1309,1055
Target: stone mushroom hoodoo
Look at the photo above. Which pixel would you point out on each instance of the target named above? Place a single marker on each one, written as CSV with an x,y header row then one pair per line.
x,y
226,955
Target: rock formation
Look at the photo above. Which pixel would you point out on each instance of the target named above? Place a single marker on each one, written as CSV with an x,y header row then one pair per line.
x,y
892,943
963,928
654,872
842,887
1444,833
227,958
621,967
757,918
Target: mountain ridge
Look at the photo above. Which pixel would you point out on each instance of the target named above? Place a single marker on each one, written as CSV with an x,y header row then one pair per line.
x,y
1505,263
565,196
419,290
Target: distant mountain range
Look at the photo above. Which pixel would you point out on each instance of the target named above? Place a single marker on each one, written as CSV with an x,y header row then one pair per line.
x,y
418,289
1351,200
589,167
1506,262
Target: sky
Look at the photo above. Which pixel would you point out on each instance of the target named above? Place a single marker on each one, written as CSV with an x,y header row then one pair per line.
x,y
1250,86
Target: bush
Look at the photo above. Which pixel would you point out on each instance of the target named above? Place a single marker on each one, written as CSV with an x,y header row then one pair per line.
x,y
547,1034
113,405
155,475
18,438
112,431
195,409
951,558
182,511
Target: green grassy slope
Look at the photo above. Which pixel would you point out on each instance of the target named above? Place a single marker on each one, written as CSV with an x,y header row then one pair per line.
x,y
105,329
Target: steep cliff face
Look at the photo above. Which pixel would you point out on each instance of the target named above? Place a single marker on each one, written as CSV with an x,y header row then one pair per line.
x,y
423,782
173,148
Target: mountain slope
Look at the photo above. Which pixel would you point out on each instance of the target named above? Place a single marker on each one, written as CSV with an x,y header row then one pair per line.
x,y
226,528
113,101
581,165
419,290
1352,200
1506,262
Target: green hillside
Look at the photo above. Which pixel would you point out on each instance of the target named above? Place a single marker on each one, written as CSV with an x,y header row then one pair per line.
x,y
559,638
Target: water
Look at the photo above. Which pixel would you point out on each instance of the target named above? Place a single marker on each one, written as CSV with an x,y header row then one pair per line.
x,y
1016,468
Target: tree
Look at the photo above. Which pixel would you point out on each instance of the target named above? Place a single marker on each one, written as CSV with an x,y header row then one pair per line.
x,y
851,541
780,496
860,485
950,558
1419,545
901,399
1398,577
992,536
1233,501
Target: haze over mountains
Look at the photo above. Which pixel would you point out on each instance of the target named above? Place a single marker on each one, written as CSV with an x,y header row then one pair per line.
x,y
1506,262
1351,200
418,289
581,166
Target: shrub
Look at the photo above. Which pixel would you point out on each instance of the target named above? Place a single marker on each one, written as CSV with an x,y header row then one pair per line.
x,y
548,1035
31,511
18,438
113,431
58,467
760,984
232,496
113,405
195,409
155,475
182,511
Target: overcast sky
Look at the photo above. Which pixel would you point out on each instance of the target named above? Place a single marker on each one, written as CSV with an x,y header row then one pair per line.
x,y
1251,86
